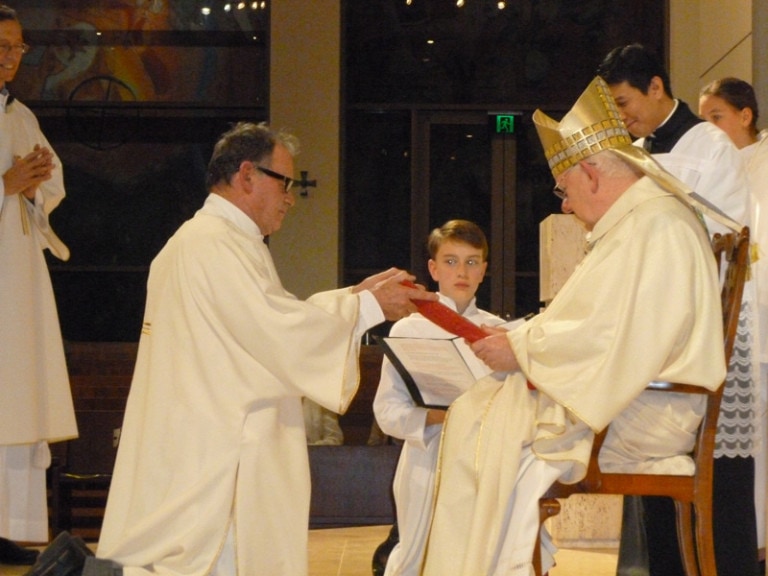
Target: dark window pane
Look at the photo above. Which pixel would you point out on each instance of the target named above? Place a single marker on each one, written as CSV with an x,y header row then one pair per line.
x,y
377,192
460,174
122,205
432,51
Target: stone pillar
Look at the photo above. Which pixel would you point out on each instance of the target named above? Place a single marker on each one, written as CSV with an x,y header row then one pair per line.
x,y
305,99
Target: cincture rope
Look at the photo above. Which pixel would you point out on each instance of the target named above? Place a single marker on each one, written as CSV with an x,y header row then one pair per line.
x,y
24,215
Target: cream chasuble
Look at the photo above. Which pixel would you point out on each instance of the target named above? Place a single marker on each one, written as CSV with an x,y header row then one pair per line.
x,y
214,431
643,305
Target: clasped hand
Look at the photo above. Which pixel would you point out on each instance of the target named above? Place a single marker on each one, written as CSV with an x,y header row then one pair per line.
x,y
28,172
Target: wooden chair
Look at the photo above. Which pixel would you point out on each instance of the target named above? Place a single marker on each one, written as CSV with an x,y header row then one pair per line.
x,y
692,494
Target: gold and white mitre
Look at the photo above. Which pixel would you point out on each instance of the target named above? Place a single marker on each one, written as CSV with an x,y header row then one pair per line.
x,y
593,125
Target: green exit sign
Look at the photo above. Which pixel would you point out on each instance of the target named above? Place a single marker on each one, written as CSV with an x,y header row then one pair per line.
x,y
503,122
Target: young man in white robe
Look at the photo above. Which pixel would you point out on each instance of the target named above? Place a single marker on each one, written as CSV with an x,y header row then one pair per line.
x,y
35,399
458,259
212,473
643,305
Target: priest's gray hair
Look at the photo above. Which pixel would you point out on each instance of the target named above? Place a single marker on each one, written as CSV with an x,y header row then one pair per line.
x,y
245,141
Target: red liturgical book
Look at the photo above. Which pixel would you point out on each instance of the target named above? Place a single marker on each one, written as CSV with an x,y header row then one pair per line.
x,y
448,319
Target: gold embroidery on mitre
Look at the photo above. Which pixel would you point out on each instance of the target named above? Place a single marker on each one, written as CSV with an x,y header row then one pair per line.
x,y
592,125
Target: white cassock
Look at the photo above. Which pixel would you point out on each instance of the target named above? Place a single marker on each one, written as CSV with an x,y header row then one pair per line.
x,y
399,416
213,447
36,402
643,305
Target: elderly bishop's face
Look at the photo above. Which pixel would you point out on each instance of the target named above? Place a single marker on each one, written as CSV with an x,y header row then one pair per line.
x,y
579,195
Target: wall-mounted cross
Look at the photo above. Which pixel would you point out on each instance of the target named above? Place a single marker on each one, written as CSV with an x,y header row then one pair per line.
x,y
303,183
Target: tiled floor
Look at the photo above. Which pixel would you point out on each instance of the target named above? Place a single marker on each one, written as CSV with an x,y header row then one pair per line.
x,y
349,551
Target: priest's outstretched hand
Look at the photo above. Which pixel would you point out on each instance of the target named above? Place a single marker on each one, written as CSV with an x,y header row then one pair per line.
x,y
394,298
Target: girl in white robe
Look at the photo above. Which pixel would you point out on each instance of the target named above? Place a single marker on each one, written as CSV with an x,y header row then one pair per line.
x,y
731,104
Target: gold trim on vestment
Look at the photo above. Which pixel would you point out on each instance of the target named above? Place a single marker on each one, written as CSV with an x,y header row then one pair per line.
x,y
480,432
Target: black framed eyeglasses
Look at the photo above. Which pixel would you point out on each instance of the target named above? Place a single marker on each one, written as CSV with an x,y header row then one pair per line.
x,y
287,182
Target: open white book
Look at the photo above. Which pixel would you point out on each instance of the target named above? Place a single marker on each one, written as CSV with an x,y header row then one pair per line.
x,y
435,370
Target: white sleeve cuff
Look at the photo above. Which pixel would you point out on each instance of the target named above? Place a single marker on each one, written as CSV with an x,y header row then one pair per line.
x,y
370,312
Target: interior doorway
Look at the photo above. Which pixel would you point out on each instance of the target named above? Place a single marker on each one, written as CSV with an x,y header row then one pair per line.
x,y
463,168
